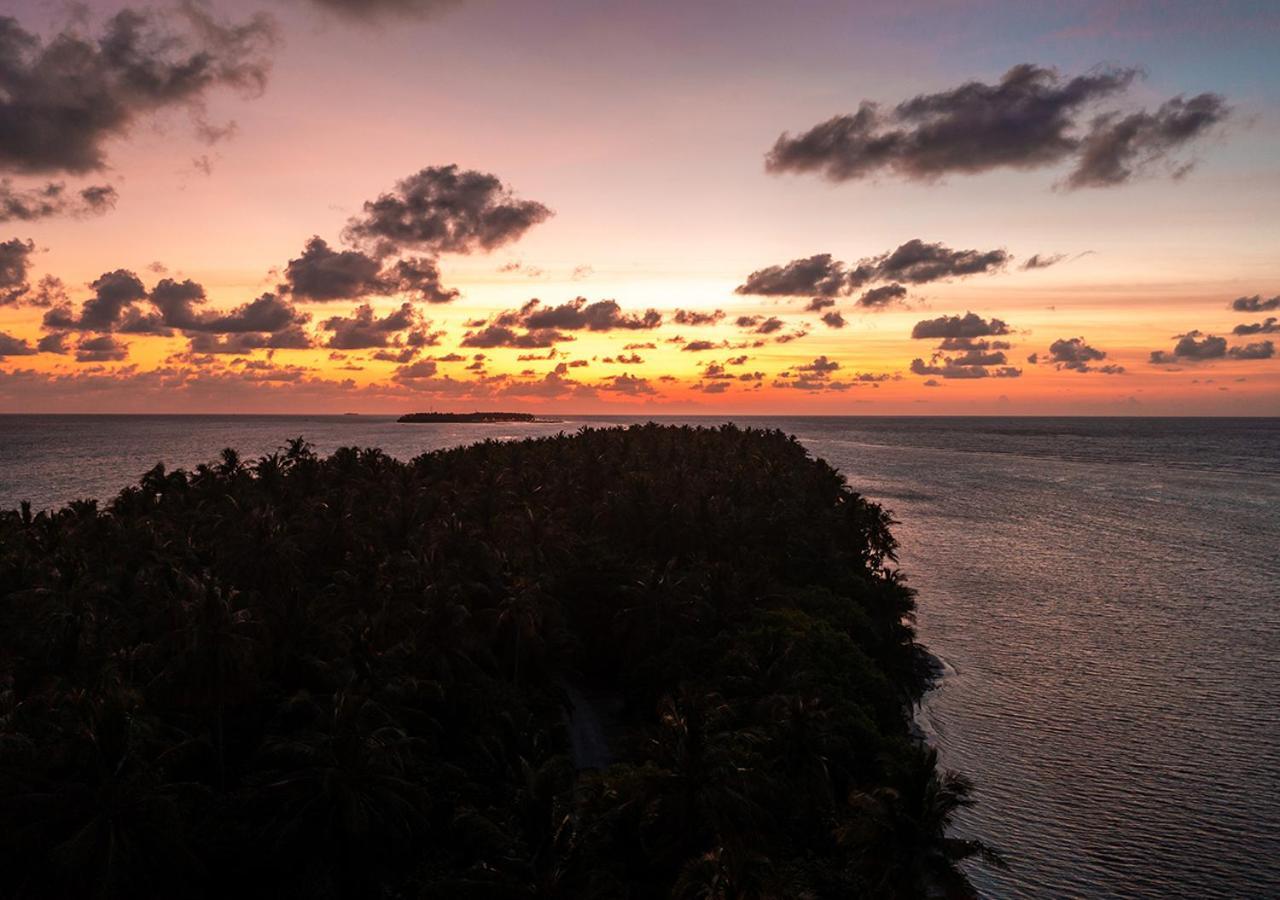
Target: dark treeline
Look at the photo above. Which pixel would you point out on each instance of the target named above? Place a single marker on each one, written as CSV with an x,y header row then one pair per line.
x,y
347,677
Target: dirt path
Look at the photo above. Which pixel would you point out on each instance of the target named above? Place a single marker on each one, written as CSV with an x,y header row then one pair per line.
x,y
588,715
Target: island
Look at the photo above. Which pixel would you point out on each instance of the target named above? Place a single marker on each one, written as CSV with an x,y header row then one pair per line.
x,y
626,663
467,418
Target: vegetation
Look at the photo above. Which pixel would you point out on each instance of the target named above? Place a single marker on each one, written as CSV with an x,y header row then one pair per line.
x,y
471,417
348,677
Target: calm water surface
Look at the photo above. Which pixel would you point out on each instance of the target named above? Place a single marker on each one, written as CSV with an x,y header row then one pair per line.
x,y
1103,594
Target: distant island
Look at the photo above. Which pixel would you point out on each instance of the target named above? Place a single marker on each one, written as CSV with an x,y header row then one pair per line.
x,y
624,664
471,417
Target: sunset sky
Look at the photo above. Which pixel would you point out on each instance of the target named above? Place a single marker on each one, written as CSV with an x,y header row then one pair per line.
x,y
970,207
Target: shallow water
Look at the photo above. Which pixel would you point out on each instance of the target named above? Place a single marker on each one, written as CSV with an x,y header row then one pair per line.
x,y
1103,593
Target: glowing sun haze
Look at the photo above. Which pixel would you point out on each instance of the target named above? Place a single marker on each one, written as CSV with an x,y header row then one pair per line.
x,y
584,206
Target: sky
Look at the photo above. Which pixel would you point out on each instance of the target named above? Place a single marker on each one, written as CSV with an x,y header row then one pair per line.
x,y
588,206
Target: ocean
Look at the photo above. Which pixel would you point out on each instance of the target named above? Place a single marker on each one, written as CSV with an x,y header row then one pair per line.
x,y
1103,594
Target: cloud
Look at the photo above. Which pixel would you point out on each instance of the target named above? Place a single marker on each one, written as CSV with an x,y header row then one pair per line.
x,y
1267,326
15,268
1192,347
760,324
1255,304
955,368
322,274
817,376
1043,261
914,262
694,318
833,319
443,210
578,315
886,295
1255,350
104,348
1032,118
62,101
817,304
51,200
1075,355
13,346
242,342
967,326
628,384
702,346
536,325
425,368
503,336
1119,146
369,11
112,293
962,336
364,330
267,313
818,275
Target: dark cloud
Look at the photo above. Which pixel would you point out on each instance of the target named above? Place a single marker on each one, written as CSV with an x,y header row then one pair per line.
x,y
112,293
63,100
760,324
1255,350
15,269
176,302
815,376
291,338
13,346
914,262
819,276
885,295
833,319
1043,260
628,384
692,317
1030,119
54,342
1255,304
1075,355
49,291
954,368
268,313
425,368
702,346
443,210
817,304
364,330
1267,326
971,343
580,315
966,326
1192,347
504,336
322,274
367,11
964,337
104,348
51,200
1119,146
419,276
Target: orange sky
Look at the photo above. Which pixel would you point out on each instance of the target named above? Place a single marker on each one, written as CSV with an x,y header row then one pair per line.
x,y
644,134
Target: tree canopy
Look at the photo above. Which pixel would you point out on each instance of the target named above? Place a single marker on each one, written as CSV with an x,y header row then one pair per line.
x,y
352,677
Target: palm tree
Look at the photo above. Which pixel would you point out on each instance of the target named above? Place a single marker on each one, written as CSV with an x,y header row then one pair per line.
x,y
900,831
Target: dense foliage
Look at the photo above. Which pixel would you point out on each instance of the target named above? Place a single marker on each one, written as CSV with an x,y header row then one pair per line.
x,y
350,677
